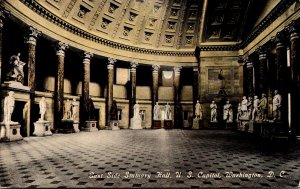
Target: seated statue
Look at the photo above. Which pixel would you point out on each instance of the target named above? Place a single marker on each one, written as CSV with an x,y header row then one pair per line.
x,y
67,110
16,72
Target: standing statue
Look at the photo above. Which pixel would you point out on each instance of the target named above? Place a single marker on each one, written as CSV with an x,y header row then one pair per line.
x,y
213,111
227,112
114,111
17,69
168,113
75,108
43,108
239,111
68,110
255,110
136,111
263,106
198,110
156,111
277,106
250,106
90,109
244,104
9,105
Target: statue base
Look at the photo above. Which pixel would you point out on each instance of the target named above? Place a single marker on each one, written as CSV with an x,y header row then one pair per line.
x,y
135,123
196,123
10,132
76,126
66,126
90,126
168,124
42,128
15,84
213,125
156,124
114,125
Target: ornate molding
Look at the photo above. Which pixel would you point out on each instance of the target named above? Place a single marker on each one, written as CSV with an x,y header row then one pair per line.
x,y
34,6
33,34
87,56
155,69
133,66
61,48
111,62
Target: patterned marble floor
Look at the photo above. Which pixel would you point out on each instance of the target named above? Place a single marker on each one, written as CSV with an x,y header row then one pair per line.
x,y
133,158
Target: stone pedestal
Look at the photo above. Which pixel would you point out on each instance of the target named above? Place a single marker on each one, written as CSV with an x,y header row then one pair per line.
x,y
156,124
66,126
90,126
42,128
251,126
76,126
10,132
114,125
196,123
136,123
168,124
213,125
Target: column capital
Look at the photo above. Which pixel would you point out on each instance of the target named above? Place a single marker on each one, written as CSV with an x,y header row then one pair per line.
x,y
249,64
61,48
3,14
195,69
177,70
293,30
262,53
87,56
33,34
155,68
133,66
111,62
278,40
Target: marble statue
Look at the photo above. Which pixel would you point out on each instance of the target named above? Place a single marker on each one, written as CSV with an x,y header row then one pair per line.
x,y
136,111
198,110
255,111
213,112
277,106
239,111
227,112
43,108
68,110
9,105
250,106
17,68
156,111
168,113
75,109
263,106
114,111
244,104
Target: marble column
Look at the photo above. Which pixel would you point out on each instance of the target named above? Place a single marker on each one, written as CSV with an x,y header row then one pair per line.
x,y
263,65
59,84
177,110
33,34
110,85
195,87
3,15
85,85
294,76
281,71
132,100
249,80
155,74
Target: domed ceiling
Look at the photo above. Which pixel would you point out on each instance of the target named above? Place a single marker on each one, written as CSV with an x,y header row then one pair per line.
x,y
157,24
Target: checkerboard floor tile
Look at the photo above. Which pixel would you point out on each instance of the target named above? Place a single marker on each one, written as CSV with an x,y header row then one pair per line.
x,y
149,158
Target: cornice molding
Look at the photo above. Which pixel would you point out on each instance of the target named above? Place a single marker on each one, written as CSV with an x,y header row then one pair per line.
x,y
34,6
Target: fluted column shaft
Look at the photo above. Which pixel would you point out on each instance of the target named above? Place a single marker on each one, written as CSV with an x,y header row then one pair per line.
x,y
110,85
132,100
59,84
195,88
86,76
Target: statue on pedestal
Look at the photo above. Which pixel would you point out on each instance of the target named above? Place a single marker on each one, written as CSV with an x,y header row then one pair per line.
x,y
277,106
168,113
227,112
156,110
263,106
244,105
16,72
75,108
68,110
9,105
198,110
255,111
43,108
213,112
